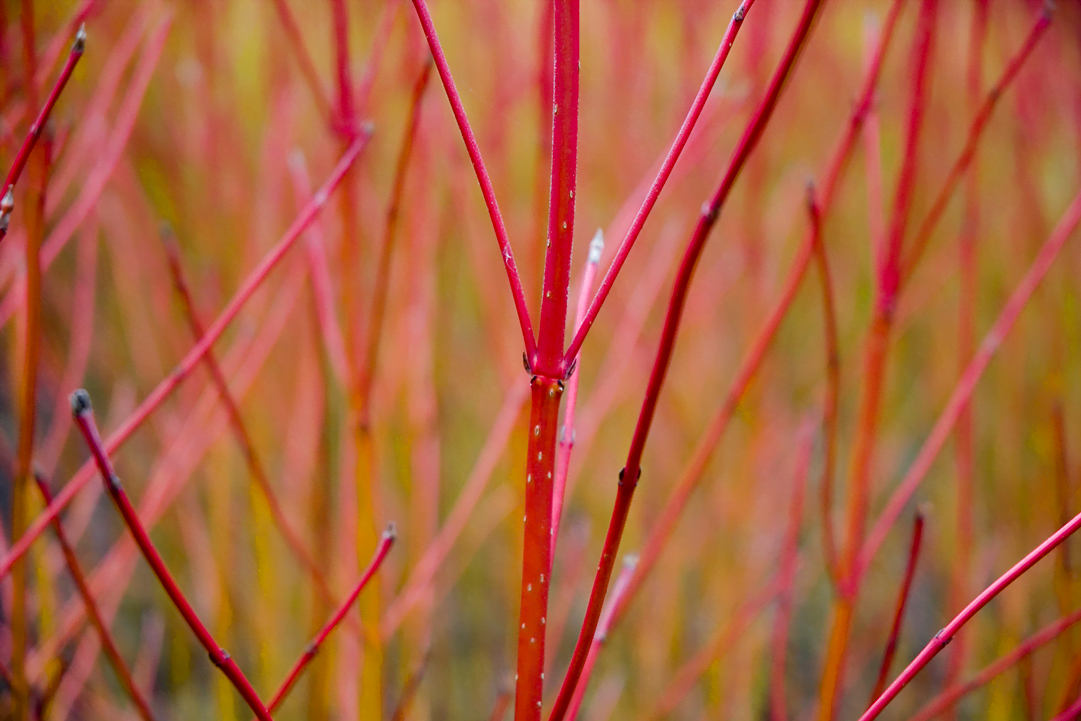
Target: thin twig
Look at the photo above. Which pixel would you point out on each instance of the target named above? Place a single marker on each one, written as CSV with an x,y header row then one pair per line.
x,y
945,700
381,550
36,129
943,637
482,176
902,602
680,141
84,418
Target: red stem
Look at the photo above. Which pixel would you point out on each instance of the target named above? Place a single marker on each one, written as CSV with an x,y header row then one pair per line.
x,y
192,359
36,128
957,172
833,386
618,589
945,700
902,602
84,418
482,176
944,636
966,384
386,248
307,67
381,550
536,561
628,477
665,171
94,613
347,114
549,362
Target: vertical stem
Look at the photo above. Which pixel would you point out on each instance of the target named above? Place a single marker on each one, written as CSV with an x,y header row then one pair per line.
x,y
966,346
27,405
888,282
536,560
548,367
557,257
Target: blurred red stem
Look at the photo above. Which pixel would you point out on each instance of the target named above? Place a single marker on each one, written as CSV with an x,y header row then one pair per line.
x,y
887,284
957,172
833,385
193,357
902,602
377,313
304,59
94,613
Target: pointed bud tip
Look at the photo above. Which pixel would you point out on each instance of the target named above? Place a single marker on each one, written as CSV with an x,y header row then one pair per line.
x,y
80,403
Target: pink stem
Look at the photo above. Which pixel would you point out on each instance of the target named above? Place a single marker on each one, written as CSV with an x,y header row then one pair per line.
x,y
485,182
967,384
566,431
191,360
662,177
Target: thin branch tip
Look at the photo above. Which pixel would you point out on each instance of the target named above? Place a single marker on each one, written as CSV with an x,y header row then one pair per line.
x,y
596,247
80,403
80,40
391,531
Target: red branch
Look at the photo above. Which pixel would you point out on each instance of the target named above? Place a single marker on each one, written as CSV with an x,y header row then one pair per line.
x,y
84,418
32,135
381,550
944,636
662,177
483,180
902,602
628,477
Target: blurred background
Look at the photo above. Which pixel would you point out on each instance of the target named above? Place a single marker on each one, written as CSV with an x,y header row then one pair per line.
x,y
378,372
